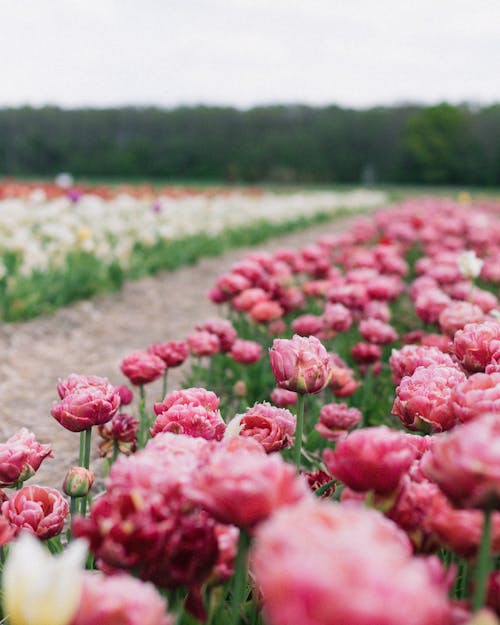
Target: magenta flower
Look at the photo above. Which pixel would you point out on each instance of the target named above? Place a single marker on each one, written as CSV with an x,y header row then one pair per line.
x,y
404,361
173,353
239,484
336,419
457,315
86,406
475,345
283,398
476,396
372,459
376,331
141,367
300,364
190,396
190,420
223,330
465,463
423,399
246,352
203,343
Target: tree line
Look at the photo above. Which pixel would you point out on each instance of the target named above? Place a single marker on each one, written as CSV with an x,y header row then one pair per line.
x,y
442,144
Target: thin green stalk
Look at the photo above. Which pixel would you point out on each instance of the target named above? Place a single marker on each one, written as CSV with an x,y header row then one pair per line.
x,y
164,384
462,579
299,430
483,563
143,418
116,451
86,463
82,449
240,577
322,489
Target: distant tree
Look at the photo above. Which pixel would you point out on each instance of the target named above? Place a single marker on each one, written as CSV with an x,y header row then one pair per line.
x,y
439,145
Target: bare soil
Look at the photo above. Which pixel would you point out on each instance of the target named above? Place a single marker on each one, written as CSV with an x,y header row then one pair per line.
x,y
92,337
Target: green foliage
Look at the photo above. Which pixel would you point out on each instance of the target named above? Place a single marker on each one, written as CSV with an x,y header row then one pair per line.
x,y
278,144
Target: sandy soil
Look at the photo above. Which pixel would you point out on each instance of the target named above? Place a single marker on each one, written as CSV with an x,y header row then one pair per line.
x,y
92,337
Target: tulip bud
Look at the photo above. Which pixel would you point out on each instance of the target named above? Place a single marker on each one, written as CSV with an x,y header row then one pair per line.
x,y
78,482
240,389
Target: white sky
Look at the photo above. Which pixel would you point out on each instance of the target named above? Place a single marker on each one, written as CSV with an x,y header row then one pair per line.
x,y
247,52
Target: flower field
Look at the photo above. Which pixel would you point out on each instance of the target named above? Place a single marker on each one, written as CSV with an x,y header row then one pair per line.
x,y
333,457
61,244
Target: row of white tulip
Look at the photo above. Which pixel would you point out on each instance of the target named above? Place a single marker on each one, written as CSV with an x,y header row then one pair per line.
x,y
44,231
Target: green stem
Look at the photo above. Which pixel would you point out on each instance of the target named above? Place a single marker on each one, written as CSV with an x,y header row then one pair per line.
x,y
240,577
86,463
462,584
483,563
82,449
143,417
299,430
164,385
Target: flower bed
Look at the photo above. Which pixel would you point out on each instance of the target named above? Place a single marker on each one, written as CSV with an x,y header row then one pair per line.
x,y
333,457
58,246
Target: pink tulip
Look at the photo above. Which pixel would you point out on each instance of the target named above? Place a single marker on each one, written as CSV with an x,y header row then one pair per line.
x,y
141,367
173,353
85,407
126,395
247,299
283,398
404,361
372,459
307,325
319,563
423,399
223,330
20,457
478,395
336,419
265,312
457,315
300,364
120,599
430,304
272,427
38,510
203,343
240,485
122,430
337,318
78,482
190,420
366,353
246,352
195,396
476,343
465,463
378,332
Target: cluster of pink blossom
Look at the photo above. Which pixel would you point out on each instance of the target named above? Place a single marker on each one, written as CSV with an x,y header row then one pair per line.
x,y
200,491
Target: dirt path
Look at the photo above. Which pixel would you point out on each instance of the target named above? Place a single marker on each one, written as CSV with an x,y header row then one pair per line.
x,y
93,337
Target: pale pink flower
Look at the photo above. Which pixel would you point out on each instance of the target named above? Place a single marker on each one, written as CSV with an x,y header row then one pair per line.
x,y
141,367
283,398
336,419
246,352
430,303
404,361
376,331
307,325
239,484
264,312
301,364
196,396
372,459
476,396
39,510
465,463
319,563
223,330
337,317
120,599
203,343
457,315
272,427
190,420
476,343
20,457
173,353
423,399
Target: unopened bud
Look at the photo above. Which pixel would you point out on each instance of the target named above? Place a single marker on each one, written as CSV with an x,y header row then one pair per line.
x,y
78,482
240,389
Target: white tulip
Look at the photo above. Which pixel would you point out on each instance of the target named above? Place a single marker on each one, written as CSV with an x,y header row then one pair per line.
x,y
469,264
38,588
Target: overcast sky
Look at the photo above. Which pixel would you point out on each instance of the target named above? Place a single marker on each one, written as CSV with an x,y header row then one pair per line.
x,y
247,52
